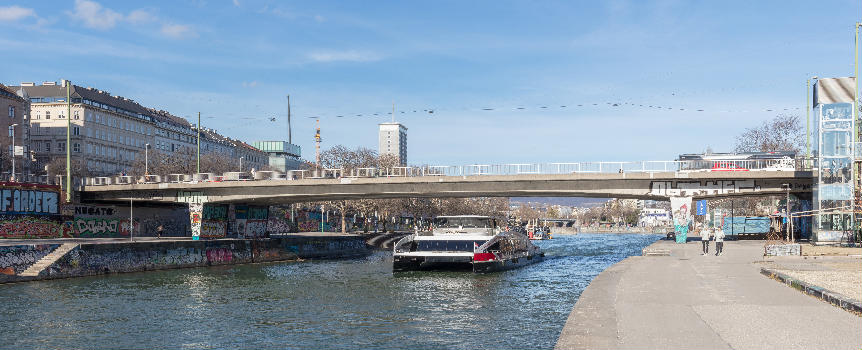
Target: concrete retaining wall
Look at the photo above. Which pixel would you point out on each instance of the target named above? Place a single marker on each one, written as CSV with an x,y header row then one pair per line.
x,y
96,259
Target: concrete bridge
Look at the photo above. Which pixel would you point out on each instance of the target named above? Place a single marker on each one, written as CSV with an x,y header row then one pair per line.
x,y
645,185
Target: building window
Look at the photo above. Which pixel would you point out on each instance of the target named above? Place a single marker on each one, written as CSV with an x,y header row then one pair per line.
x,y
61,116
76,115
48,146
11,111
76,131
76,147
11,131
47,114
61,146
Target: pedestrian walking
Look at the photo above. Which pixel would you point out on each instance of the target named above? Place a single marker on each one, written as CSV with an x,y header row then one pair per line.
x,y
159,231
719,241
704,239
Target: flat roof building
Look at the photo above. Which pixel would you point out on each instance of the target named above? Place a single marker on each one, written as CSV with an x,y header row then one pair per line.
x,y
392,139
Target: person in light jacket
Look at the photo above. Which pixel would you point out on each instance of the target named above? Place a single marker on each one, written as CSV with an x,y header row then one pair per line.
x,y
719,241
704,239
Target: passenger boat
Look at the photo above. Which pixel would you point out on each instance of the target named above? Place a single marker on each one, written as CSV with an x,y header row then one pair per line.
x,y
465,242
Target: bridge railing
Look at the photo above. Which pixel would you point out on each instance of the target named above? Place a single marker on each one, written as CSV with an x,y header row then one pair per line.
x,y
729,165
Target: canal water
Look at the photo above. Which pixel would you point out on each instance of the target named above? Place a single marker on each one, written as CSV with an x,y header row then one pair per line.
x,y
314,305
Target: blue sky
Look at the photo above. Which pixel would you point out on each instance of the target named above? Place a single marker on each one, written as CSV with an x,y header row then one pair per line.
x,y
740,62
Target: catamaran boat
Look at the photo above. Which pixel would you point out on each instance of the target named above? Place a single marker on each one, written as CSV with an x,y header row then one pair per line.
x,y
465,242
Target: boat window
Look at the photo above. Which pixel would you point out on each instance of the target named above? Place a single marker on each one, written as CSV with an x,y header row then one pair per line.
x,y
439,245
463,222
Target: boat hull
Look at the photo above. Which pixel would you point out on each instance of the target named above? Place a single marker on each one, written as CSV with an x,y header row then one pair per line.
x,y
506,264
431,263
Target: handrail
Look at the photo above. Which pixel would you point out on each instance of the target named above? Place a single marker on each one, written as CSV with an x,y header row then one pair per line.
x,y
685,166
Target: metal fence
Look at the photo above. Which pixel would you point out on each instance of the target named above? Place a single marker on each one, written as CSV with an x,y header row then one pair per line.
x,y
788,164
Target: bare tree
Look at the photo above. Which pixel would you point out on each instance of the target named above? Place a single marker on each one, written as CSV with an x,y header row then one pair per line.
x,y
782,133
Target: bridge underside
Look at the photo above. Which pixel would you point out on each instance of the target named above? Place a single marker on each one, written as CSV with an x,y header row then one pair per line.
x,y
657,186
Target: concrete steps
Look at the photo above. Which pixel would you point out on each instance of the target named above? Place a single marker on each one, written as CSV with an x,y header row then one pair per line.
x,y
47,260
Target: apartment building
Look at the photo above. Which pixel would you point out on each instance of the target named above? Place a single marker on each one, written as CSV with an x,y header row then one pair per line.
x,y
16,113
109,133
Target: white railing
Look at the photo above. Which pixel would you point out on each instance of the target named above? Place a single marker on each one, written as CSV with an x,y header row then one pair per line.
x,y
478,170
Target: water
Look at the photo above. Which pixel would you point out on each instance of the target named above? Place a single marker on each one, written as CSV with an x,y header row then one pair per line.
x,y
320,305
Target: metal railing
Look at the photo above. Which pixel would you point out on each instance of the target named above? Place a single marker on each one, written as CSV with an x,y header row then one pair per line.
x,y
730,165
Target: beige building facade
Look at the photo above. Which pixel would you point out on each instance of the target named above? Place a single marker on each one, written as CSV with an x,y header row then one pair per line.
x,y
14,121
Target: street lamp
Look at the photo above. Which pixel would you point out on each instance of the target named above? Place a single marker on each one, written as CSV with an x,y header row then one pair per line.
x,y
240,163
146,160
12,132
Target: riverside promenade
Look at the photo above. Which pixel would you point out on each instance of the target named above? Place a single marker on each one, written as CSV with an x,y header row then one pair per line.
x,y
690,301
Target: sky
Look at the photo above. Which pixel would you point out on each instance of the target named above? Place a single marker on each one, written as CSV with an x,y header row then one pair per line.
x,y
475,82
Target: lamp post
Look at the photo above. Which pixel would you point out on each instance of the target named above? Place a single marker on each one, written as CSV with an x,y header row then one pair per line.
x,y
146,160
240,163
12,132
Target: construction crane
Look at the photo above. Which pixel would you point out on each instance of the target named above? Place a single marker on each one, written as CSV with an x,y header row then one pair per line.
x,y
317,143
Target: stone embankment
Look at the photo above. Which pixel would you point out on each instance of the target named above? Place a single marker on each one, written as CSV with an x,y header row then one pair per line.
x,y
28,262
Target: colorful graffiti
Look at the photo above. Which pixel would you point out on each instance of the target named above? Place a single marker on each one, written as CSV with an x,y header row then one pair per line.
x,y
276,225
20,226
195,210
97,227
213,229
219,255
29,199
16,259
681,209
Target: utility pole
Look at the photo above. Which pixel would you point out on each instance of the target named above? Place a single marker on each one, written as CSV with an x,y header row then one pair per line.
x,y
68,141
289,136
393,111
199,143
317,144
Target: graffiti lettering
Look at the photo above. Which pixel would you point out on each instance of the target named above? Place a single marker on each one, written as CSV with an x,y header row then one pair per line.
x,y
13,200
215,212
95,211
696,188
102,227
213,229
191,197
29,227
218,255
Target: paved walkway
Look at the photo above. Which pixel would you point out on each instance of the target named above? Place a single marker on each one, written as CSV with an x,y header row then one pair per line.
x,y
689,301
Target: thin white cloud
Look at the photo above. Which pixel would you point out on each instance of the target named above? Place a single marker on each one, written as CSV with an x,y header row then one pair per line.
x,y
93,15
14,13
344,56
141,16
178,31
250,84
236,3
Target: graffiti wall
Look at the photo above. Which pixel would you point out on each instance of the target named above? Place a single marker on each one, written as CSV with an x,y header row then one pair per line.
x,y
16,259
114,221
95,259
30,211
213,221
